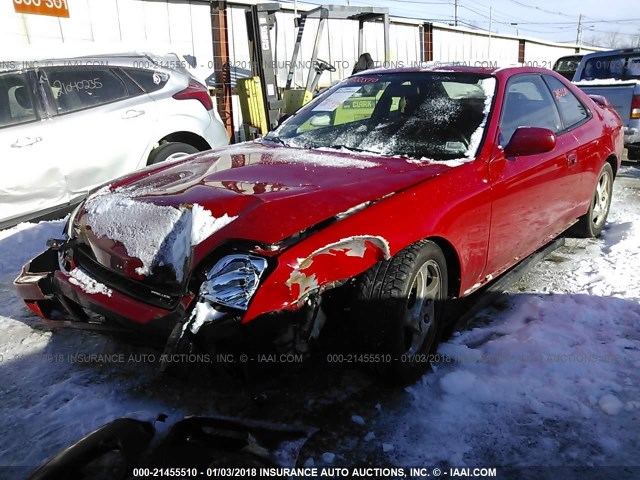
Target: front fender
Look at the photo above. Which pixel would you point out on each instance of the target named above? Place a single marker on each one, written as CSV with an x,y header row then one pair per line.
x,y
437,207
296,277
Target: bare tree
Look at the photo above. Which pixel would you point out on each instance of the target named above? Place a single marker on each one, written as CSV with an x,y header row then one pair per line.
x,y
614,40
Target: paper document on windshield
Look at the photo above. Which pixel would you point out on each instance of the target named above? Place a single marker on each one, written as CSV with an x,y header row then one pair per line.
x,y
334,100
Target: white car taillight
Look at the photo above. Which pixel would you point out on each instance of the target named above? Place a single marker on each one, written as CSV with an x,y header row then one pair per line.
x,y
635,107
196,91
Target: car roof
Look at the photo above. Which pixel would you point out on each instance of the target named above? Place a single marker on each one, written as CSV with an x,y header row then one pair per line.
x,y
501,72
134,60
610,53
436,69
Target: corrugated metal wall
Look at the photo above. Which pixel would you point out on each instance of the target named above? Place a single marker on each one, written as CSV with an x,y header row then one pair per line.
x,y
541,55
109,26
184,27
472,48
339,44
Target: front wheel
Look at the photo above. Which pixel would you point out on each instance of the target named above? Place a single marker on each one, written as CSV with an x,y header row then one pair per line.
x,y
399,310
591,223
170,150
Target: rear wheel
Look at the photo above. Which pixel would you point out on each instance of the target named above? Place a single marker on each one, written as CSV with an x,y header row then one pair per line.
x,y
591,224
399,311
170,150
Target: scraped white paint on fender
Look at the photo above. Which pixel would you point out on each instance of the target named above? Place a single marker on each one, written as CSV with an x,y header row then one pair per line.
x,y
355,246
352,247
307,283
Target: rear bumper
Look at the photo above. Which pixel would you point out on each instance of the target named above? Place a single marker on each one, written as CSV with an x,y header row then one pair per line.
x,y
50,293
632,132
215,133
631,135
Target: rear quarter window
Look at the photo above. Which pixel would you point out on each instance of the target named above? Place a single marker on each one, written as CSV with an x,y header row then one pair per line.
x,y
571,109
148,80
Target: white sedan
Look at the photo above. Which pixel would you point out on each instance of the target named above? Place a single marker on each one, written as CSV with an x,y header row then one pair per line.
x,y
67,126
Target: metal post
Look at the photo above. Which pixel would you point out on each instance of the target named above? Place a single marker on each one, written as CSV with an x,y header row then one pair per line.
x,y
314,56
385,20
579,32
296,50
455,13
220,37
360,37
490,24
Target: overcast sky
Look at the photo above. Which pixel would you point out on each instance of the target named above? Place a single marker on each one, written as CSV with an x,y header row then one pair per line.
x,y
556,20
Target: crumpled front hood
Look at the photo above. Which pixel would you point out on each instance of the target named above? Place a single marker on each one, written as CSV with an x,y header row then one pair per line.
x,y
152,219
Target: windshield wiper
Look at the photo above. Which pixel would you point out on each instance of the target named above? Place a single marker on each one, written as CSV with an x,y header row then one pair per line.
x,y
354,149
275,139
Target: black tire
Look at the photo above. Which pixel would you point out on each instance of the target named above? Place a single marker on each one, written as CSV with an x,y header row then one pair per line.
x,y
388,312
591,223
165,150
633,153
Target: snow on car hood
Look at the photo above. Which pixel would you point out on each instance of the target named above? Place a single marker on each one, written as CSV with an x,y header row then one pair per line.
x,y
157,235
250,191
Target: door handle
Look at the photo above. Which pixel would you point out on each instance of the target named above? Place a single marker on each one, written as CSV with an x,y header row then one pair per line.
x,y
25,142
572,158
132,114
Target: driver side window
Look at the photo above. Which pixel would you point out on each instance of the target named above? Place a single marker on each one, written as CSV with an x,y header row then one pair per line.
x,y
527,103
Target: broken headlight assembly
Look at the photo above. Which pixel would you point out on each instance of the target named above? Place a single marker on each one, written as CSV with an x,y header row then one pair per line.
x,y
233,281
69,228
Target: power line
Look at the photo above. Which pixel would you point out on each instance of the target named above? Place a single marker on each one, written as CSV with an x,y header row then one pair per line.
x,y
540,9
521,21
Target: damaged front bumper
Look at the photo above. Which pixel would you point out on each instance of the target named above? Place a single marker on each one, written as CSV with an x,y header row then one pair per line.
x,y
54,295
52,292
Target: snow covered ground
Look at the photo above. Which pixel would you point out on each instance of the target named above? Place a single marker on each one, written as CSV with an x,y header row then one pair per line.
x,y
548,375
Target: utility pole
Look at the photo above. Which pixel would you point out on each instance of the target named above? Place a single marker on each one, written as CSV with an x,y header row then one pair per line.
x,y
490,23
455,12
579,32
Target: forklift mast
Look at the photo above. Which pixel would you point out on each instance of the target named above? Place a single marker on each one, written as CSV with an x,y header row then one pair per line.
x,y
261,19
263,98
341,12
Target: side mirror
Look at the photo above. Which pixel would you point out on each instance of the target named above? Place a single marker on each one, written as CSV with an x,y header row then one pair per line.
x,y
530,141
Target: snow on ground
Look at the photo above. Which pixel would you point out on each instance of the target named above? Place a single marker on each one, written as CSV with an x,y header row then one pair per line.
x,y
552,377
50,395
548,375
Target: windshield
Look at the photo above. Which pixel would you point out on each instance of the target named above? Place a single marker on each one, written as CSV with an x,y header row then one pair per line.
x,y
439,116
619,67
